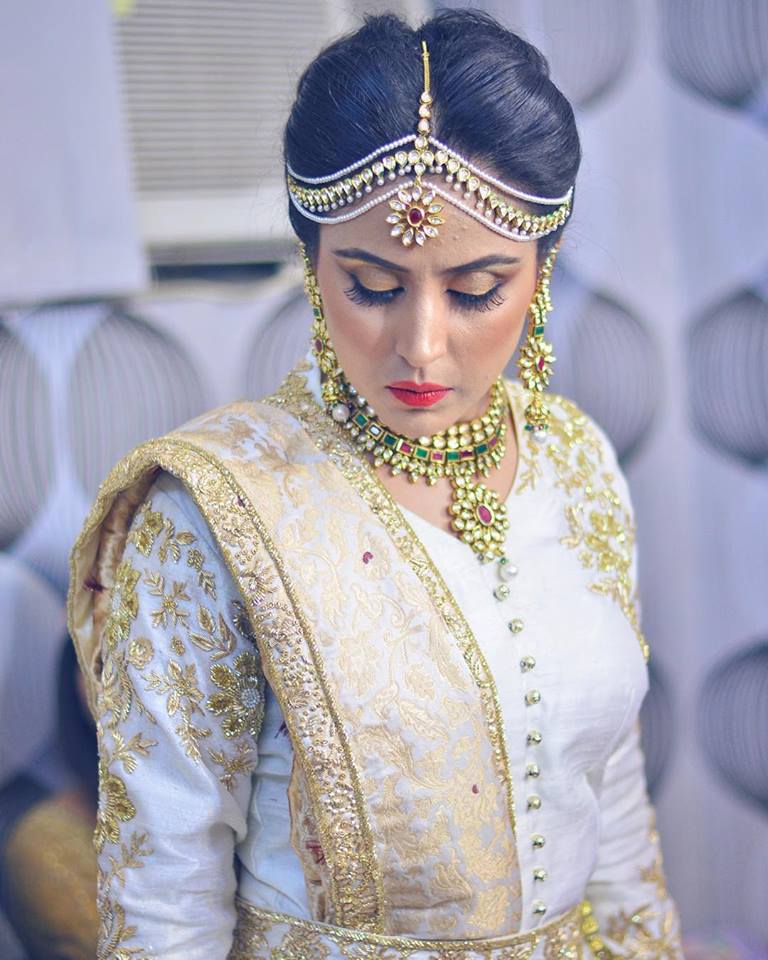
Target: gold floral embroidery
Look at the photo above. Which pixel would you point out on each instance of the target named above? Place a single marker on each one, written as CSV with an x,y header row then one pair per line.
x,y
124,604
648,931
140,652
113,929
114,807
169,608
131,855
601,526
172,542
651,930
117,698
242,761
114,932
216,637
180,684
147,529
117,695
205,578
241,700
125,751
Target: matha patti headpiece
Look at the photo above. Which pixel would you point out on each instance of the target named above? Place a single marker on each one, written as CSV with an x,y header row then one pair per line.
x,y
414,210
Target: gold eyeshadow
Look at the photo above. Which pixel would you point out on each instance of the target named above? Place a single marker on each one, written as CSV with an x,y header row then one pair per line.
x,y
376,279
476,284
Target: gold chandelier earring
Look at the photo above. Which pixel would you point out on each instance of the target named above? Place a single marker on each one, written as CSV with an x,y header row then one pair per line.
x,y
322,348
536,357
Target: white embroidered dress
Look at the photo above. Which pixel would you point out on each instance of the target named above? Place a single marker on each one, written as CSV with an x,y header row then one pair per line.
x,y
198,770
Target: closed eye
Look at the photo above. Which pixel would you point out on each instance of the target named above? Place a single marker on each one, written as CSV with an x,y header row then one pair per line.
x,y
358,293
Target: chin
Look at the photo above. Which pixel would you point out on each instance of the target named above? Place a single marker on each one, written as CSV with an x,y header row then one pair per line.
x,y
417,422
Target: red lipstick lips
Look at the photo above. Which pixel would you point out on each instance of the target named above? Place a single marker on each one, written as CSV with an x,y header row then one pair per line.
x,y
418,394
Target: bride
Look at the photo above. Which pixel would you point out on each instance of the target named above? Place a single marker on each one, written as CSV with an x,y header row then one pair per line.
x,y
366,655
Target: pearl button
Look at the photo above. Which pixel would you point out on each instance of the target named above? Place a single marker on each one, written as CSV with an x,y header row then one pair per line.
x,y
533,696
501,592
516,625
539,907
507,569
538,841
527,662
539,873
532,770
534,802
534,737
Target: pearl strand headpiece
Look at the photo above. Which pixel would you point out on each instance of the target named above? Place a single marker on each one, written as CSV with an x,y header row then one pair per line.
x,y
415,212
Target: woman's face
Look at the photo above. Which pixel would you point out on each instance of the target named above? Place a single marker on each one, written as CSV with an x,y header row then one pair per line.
x,y
449,313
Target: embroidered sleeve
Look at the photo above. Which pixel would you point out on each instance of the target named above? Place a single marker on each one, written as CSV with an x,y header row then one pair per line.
x,y
627,890
179,711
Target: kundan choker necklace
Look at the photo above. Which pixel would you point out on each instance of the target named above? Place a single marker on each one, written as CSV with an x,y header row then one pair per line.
x,y
460,453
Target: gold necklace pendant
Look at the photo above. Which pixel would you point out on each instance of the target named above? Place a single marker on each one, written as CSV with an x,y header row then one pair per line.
x,y
479,517
461,453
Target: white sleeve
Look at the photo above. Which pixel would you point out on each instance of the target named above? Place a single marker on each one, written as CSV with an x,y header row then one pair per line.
x,y
180,707
627,890
635,915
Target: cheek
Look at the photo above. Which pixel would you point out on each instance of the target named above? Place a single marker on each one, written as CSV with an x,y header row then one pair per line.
x,y
356,332
494,336
351,326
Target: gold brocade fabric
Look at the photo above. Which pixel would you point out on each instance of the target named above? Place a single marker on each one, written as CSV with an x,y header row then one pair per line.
x,y
264,935
50,867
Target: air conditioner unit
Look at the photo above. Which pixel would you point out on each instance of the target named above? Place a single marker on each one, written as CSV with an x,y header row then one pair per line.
x,y
207,85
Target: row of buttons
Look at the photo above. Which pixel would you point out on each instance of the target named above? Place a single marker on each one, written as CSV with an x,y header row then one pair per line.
x,y
507,570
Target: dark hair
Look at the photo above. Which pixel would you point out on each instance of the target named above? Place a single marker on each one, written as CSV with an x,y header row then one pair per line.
x,y
493,102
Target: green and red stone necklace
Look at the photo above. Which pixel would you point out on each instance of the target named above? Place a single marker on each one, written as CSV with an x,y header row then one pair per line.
x,y
461,453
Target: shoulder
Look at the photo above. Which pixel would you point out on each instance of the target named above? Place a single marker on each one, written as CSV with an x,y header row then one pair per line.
x,y
170,519
570,424
579,448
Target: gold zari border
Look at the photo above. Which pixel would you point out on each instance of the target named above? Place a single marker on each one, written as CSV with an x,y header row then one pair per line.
x,y
262,934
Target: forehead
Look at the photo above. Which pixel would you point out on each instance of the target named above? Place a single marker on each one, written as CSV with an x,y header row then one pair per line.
x,y
461,238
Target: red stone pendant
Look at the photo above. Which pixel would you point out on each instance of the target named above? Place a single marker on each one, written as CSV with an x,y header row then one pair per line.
x,y
415,216
484,515
478,517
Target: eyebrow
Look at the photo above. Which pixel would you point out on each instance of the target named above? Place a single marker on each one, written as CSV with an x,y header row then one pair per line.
x,y
355,253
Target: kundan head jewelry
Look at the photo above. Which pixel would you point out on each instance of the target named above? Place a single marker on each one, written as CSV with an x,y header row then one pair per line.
x,y
414,210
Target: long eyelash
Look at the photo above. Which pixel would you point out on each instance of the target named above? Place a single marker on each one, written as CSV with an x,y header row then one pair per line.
x,y
466,301
369,298
483,301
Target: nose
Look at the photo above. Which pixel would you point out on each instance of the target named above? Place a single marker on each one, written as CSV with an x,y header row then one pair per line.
x,y
421,335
